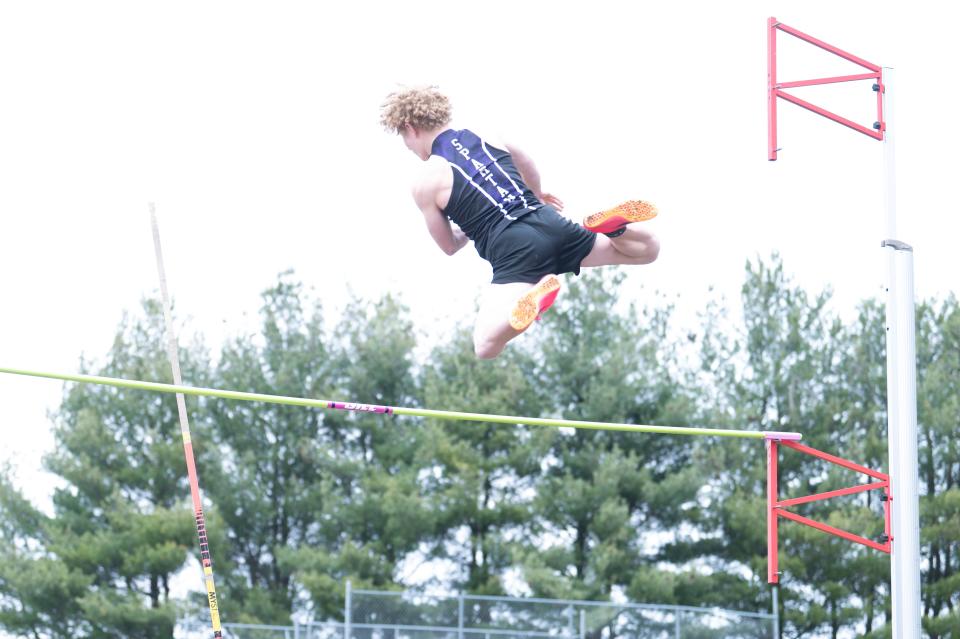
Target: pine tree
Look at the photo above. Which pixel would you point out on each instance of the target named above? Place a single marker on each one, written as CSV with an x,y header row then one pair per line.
x,y
480,476
604,493
121,527
938,417
311,498
266,463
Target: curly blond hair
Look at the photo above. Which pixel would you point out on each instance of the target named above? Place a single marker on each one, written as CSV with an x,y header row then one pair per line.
x,y
422,107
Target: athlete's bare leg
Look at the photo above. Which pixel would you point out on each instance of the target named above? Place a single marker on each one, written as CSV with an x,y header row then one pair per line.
x,y
506,310
635,246
492,329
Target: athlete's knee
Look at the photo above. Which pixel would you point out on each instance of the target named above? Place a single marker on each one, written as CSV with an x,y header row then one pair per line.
x,y
643,250
653,249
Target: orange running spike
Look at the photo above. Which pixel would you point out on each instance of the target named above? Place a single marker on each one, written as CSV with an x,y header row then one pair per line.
x,y
619,216
534,302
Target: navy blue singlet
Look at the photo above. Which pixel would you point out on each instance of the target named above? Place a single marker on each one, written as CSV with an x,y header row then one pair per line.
x,y
488,193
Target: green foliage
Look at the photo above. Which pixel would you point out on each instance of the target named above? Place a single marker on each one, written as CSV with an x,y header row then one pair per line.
x,y
39,594
102,564
938,414
264,464
311,498
600,491
298,501
479,477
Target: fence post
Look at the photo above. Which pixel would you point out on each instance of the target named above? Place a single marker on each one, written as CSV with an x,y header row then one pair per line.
x,y
676,623
570,621
460,616
583,624
347,605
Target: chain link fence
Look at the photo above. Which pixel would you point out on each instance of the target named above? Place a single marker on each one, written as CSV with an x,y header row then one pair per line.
x,y
371,614
327,630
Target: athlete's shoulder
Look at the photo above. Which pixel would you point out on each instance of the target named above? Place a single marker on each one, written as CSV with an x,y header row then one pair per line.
x,y
434,166
431,177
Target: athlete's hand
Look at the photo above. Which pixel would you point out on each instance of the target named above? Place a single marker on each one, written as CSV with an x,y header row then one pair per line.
x,y
552,200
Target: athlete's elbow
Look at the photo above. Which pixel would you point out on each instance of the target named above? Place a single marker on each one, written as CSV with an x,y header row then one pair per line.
x,y
457,242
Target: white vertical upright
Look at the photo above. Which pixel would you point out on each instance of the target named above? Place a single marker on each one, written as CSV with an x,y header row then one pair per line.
x,y
889,157
776,613
901,402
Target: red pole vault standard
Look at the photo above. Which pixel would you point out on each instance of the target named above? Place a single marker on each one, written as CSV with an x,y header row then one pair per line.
x,y
776,89
902,518
776,507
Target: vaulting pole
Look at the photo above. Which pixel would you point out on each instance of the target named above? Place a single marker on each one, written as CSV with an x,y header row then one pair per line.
x,y
174,357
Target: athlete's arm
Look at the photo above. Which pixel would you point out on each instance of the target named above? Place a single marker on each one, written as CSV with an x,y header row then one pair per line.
x,y
448,238
531,176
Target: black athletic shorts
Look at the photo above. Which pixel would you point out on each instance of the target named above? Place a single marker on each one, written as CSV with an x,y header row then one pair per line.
x,y
540,242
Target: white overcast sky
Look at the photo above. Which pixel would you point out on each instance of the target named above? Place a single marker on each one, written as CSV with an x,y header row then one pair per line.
x,y
254,129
